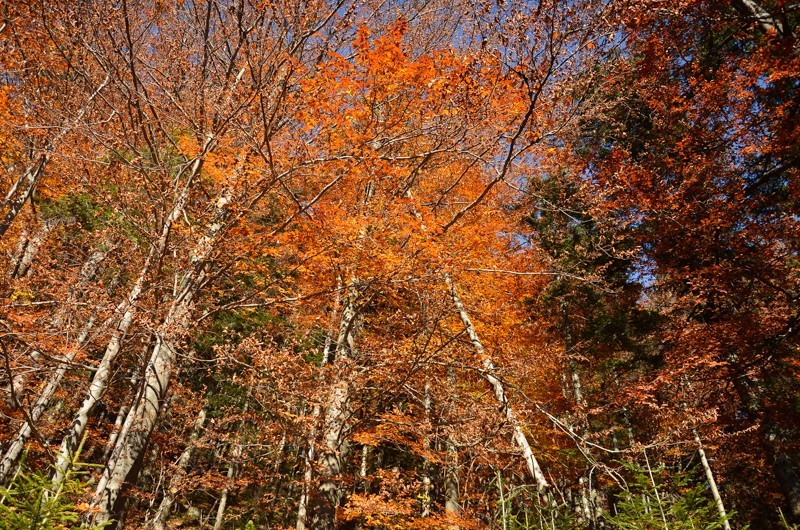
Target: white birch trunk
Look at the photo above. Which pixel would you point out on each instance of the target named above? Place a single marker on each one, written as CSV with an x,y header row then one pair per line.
x,y
310,454
31,249
499,392
32,245
19,252
21,191
116,452
143,417
364,466
331,459
232,471
223,499
769,24
585,511
302,509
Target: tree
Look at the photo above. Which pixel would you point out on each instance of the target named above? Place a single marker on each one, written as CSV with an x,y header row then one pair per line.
x,y
400,264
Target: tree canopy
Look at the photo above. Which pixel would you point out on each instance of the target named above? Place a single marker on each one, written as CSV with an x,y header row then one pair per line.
x,y
389,264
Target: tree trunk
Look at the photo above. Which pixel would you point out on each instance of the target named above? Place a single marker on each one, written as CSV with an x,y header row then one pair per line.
x,y
591,504
165,508
30,246
327,356
22,191
363,472
426,466
308,461
42,402
144,415
232,468
329,493
499,391
132,443
784,471
769,24
712,482
87,272
223,499
335,448
24,187
452,505
19,253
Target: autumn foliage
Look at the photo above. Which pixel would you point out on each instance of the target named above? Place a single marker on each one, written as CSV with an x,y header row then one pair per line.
x,y
333,264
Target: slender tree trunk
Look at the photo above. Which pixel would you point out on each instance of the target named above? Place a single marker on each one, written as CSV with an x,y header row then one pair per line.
x,y
132,443
165,508
499,391
23,188
585,511
656,494
19,253
22,191
232,469
31,249
591,504
310,454
42,402
116,452
223,499
122,423
362,473
22,265
426,466
308,461
712,482
329,493
769,24
157,375
452,504
575,378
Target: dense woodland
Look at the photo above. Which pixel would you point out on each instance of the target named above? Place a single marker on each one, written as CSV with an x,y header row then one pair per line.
x,y
388,264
